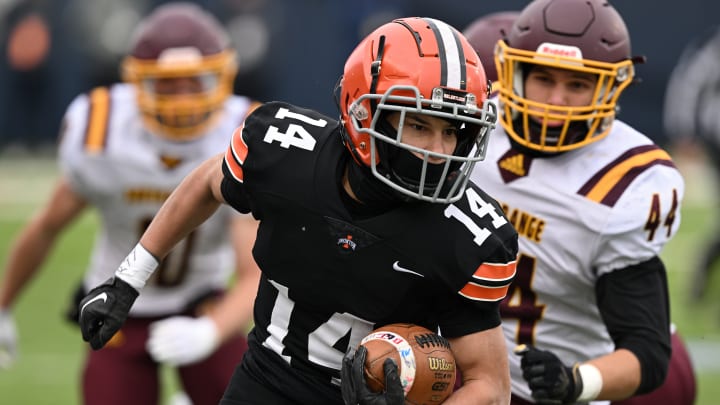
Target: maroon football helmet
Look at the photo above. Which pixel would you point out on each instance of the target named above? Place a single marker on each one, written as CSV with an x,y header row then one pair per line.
x,y
180,42
582,36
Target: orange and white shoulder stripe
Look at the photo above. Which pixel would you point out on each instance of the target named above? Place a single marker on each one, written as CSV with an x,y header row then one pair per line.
x,y
490,282
236,154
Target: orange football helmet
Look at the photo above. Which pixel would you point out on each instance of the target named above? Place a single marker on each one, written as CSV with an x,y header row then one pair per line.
x,y
180,42
423,66
584,36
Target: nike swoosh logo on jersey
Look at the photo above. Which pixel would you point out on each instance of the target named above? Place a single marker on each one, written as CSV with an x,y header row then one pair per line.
x,y
397,267
102,297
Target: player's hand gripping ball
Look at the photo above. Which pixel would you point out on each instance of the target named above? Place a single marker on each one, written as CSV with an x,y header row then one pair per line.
x,y
425,362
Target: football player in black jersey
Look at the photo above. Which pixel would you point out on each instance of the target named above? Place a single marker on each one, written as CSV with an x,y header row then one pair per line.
x,y
363,222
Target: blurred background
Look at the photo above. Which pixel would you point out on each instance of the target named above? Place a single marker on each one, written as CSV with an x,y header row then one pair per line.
x,y
291,50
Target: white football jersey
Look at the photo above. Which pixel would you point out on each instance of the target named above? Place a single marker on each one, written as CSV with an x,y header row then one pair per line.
x,y
126,174
579,215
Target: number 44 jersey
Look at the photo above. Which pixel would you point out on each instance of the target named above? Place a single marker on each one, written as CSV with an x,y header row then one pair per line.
x,y
579,215
329,278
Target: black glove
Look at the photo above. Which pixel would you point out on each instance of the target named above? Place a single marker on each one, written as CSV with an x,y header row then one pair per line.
x,y
104,309
354,389
549,379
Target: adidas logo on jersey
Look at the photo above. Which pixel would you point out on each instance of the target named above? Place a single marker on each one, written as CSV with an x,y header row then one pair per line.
x,y
513,165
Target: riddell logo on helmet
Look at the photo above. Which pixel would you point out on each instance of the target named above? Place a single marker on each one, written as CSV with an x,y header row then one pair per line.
x,y
547,48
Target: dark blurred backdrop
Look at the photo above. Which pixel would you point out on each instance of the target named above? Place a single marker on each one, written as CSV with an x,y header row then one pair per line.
x,y
292,50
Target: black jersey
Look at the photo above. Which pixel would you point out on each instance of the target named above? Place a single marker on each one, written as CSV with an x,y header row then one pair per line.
x,y
328,280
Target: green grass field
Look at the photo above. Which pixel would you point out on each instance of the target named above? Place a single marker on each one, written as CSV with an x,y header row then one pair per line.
x,y
51,350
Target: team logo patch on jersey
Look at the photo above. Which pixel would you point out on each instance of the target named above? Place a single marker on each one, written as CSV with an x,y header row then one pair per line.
x,y
347,243
349,238
513,165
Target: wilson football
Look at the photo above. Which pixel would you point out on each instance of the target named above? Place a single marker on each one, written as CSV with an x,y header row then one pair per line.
x,y
425,362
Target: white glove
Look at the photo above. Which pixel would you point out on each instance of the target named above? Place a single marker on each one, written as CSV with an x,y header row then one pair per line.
x,y
8,339
182,340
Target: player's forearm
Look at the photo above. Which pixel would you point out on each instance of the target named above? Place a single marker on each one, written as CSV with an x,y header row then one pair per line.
x,y
634,304
36,240
234,312
25,259
482,358
620,374
485,392
189,205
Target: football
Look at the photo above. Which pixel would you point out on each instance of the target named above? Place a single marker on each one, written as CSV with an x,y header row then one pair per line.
x,y
425,362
